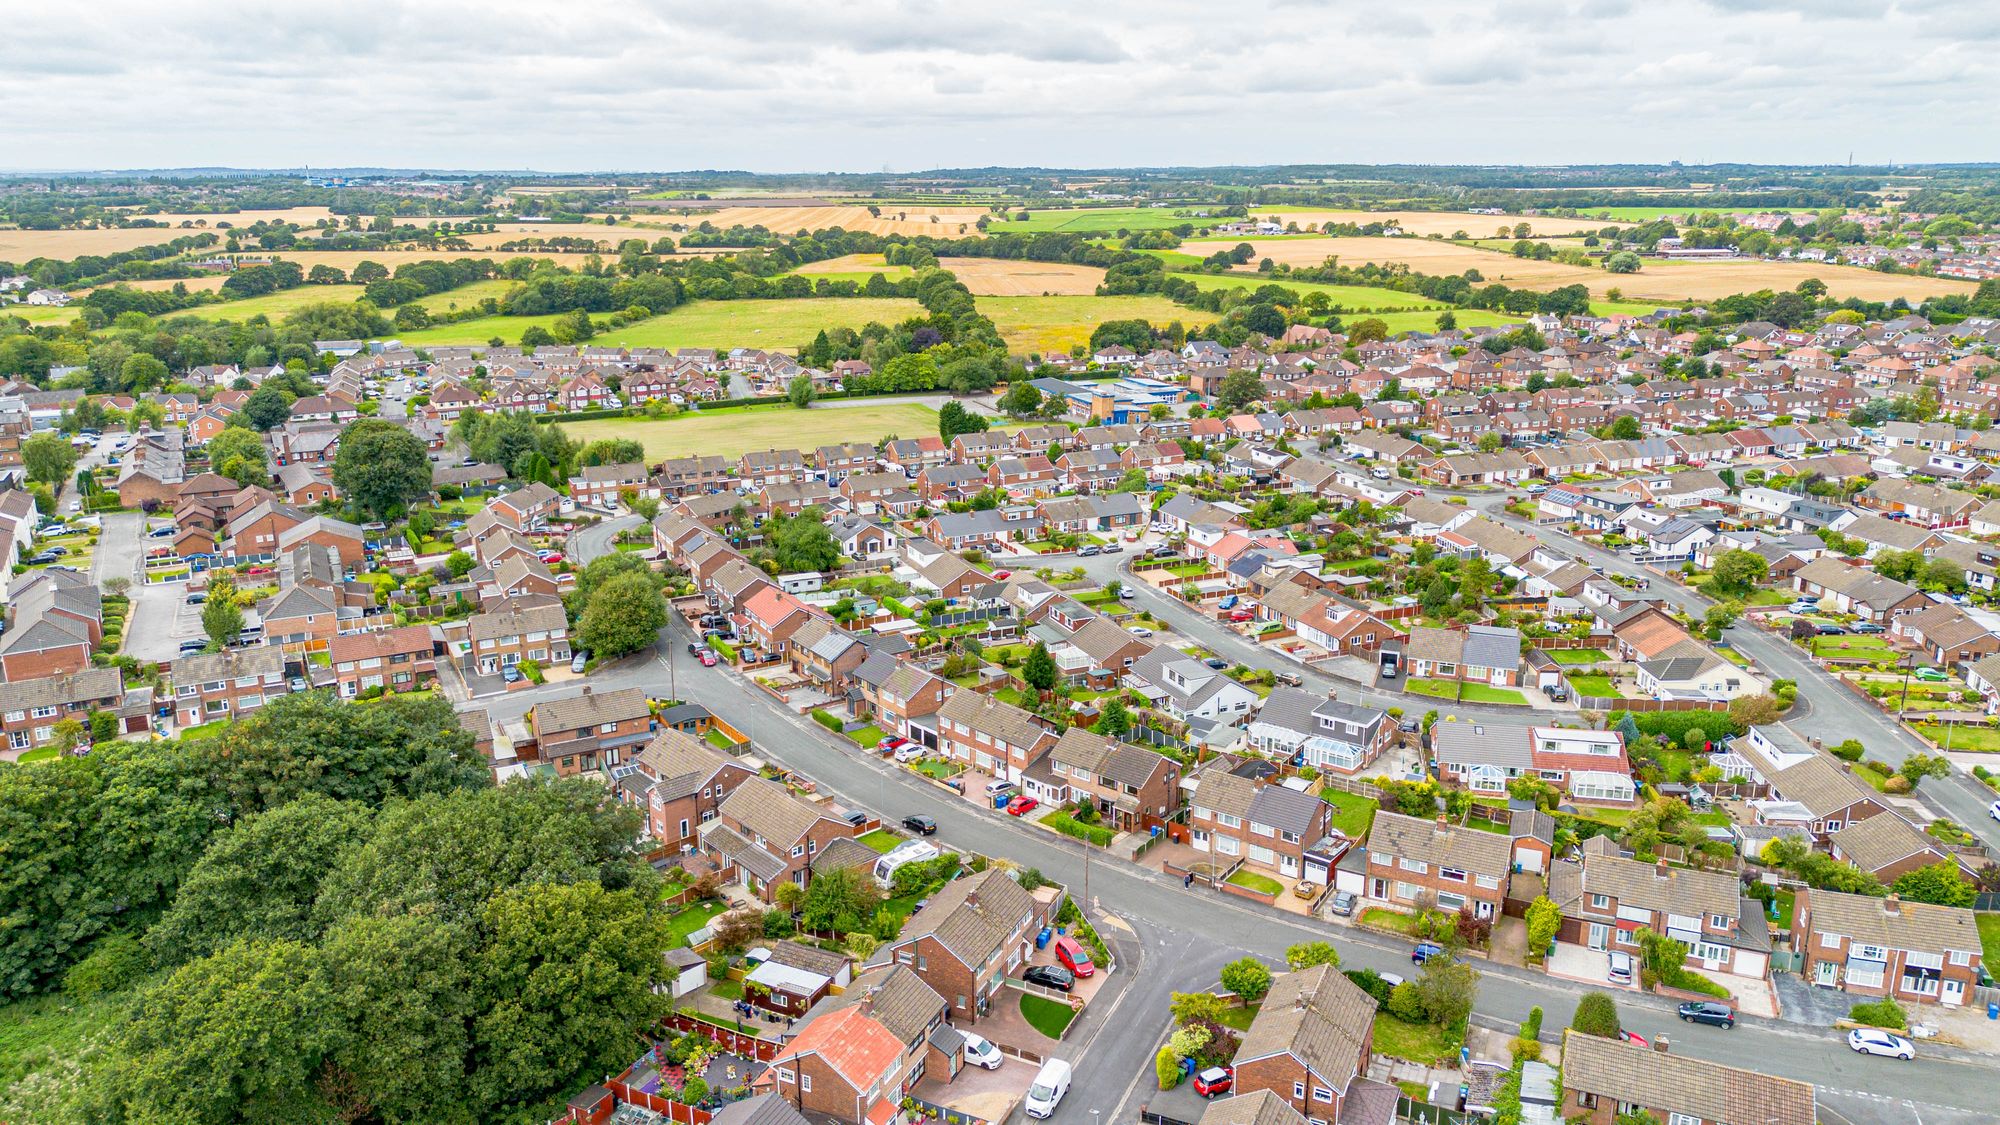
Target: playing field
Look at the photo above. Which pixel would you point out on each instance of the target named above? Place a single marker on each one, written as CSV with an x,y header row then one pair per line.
x,y
1446,223
732,431
998,277
1656,280
773,325
1055,324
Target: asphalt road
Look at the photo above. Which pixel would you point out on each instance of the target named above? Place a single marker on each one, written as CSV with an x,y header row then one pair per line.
x,y
1831,713
1172,947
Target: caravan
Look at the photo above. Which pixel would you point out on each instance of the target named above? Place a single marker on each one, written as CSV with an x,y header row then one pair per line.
x,y
909,851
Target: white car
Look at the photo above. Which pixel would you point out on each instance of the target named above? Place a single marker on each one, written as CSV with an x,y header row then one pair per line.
x,y
979,1052
1993,810
1140,631
1875,1041
1051,1083
910,752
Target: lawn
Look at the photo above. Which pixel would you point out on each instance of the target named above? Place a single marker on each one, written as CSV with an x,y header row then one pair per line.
x,y
1570,656
719,740
1240,1017
939,769
1852,647
1055,324
1474,693
882,840
684,922
1387,920
274,305
866,735
1047,1016
1594,685
772,324
1788,898
1960,736
1989,939
1353,814
733,431
1250,880
1418,1042
467,295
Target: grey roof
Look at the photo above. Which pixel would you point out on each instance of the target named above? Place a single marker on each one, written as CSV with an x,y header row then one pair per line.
x,y
1491,646
1681,890
1916,926
1287,810
230,664
1483,742
1291,709
741,851
971,917
588,709
1315,1015
896,997
1677,1083
765,1109
1441,845
58,691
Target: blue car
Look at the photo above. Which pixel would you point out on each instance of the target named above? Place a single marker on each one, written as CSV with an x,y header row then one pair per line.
x,y
1425,951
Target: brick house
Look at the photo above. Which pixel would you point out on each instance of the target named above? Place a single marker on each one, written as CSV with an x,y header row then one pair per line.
x,y
57,620
1484,755
680,783
507,636
899,697
991,736
394,660
209,687
968,939
1605,1078
858,1053
597,729
1831,797
1270,828
1607,899
301,619
1310,1045
30,709
1131,787
526,508
1412,861
1885,846
1907,951
767,836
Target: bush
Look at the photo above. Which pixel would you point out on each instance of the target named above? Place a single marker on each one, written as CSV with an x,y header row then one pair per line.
x,y
1525,1049
1848,751
1167,1068
113,963
1596,1014
1532,1029
1676,724
827,720
1247,977
1405,1004
1896,784
1880,1013
1371,982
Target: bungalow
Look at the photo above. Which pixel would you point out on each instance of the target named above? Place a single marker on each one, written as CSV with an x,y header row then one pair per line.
x,y
1857,590
1481,654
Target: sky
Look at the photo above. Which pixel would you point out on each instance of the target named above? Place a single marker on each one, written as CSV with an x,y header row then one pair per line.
x,y
904,85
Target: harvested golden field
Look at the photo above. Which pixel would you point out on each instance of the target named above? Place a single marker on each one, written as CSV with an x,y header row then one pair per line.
x,y
1446,223
303,216
995,277
896,218
1657,280
348,259
855,263
19,246
1055,324
205,284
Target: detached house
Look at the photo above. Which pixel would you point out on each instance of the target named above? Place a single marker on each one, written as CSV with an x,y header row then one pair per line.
x,y
765,836
1310,1046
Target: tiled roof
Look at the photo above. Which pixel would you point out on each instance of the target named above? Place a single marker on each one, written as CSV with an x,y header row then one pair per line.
x,y
1446,845
1820,785
1676,1083
589,709
770,810
1897,924
1319,1017
972,917
1659,887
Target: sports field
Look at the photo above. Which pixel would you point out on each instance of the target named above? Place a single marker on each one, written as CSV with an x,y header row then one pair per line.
x,y
780,325
1055,324
1446,223
732,431
1658,280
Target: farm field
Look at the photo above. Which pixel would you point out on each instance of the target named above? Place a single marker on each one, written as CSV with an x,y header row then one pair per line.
x,y
780,324
209,284
999,277
41,314
274,305
860,265
899,218
732,431
1425,320
1103,219
467,295
348,259
1055,324
20,246
1662,280
304,216
1444,223
1345,296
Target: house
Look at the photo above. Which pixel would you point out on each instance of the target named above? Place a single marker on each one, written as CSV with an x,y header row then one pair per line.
x,y
512,633
680,782
1868,946
527,508
593,730
991,736
1603,1079
1481,654
1132,788
1887,847
900,698
30,709
212,687
794,977
766,836
1271,828
1830,796
392,660
605,486
1415,863
843,1066
1310,1045
1857,590
1590,766
1607,899
1320,731
57,619
1186,688
968,939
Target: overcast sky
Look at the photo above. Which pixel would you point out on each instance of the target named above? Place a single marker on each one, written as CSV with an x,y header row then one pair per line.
x,y
859,85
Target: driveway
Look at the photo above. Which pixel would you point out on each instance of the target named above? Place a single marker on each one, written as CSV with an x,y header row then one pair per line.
x,y
120,547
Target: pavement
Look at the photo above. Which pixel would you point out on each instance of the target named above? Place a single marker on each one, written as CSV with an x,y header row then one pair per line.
x,y
1163,952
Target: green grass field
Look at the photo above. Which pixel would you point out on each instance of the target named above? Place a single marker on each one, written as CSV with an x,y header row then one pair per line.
x,y
41,314
1626,308
1054,324
1103,219
1594,686
468,295
1251,880
1577,655
777,324
734,430
1989,936
1474,693
1400,1039
48,1028
1348,296
1643,214
881,840
1045,1015
692,918
275,305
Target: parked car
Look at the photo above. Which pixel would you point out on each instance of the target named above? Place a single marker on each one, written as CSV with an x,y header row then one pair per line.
x,y
1634,1038
1215,1080
1424,951
298,684
694,649
1833,630
1216,662
980,1052
996,787
855,817
577,662
160,532
1228,602
1074,956
1868,627
1125,594
1875,1041
1708,1012
921,825
888,744
1239,616
1050,976
1021,805
1140,631
1620,971
189,647
707,659
1047,1090
1289,679
550,558
1002,575
1407,726
1113,549
1343,904
196,597
1088,550
1993,810
510,675
1932,675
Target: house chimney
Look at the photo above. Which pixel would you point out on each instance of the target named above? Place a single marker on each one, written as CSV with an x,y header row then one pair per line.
x,y
1443,822
1660,869
972,899
1892,905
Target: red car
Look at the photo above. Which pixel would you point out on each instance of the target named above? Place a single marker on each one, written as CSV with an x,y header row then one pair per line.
x,y
707,659
1021,805
1634,1039
1215,1080
1002,575
1241,615
550,558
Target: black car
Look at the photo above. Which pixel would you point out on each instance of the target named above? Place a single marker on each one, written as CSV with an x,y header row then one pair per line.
x,y
1050,976
694,649
921,825
1709,1012
1216,662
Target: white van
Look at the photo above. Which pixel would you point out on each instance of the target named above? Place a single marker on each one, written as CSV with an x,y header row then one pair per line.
x,y
1051,1083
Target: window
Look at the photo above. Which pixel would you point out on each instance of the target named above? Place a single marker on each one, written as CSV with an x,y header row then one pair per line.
x,y
1322,1094
1829,940
1682,1119
1299,1091
1600,902
1718,922
45,712
805,1082
1586,1100
784,1075
1960,957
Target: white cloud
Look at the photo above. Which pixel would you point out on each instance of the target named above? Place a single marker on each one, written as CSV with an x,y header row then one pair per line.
x,y
785,85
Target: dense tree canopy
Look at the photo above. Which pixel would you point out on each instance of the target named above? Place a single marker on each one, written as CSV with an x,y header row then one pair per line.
x,y
381,466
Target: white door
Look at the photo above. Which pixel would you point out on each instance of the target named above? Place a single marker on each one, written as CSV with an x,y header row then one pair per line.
x,y
1826,974
1600,936
1954,993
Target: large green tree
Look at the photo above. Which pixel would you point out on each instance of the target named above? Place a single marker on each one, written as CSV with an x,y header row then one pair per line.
x,y
240,455
268,407
623,616
802,543
49,458
381,466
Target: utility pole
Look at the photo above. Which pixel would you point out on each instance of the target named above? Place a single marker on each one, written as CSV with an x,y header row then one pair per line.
x,y
1903,706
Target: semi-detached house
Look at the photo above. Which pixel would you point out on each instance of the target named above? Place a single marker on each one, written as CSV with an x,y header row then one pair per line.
x,y
968,939
1868,946
1606,899
1310,1047
1269,828
1414,863
991,736
764,835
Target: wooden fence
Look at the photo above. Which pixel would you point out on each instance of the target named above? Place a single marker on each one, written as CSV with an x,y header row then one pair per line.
x,y
735,1042
1598,703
